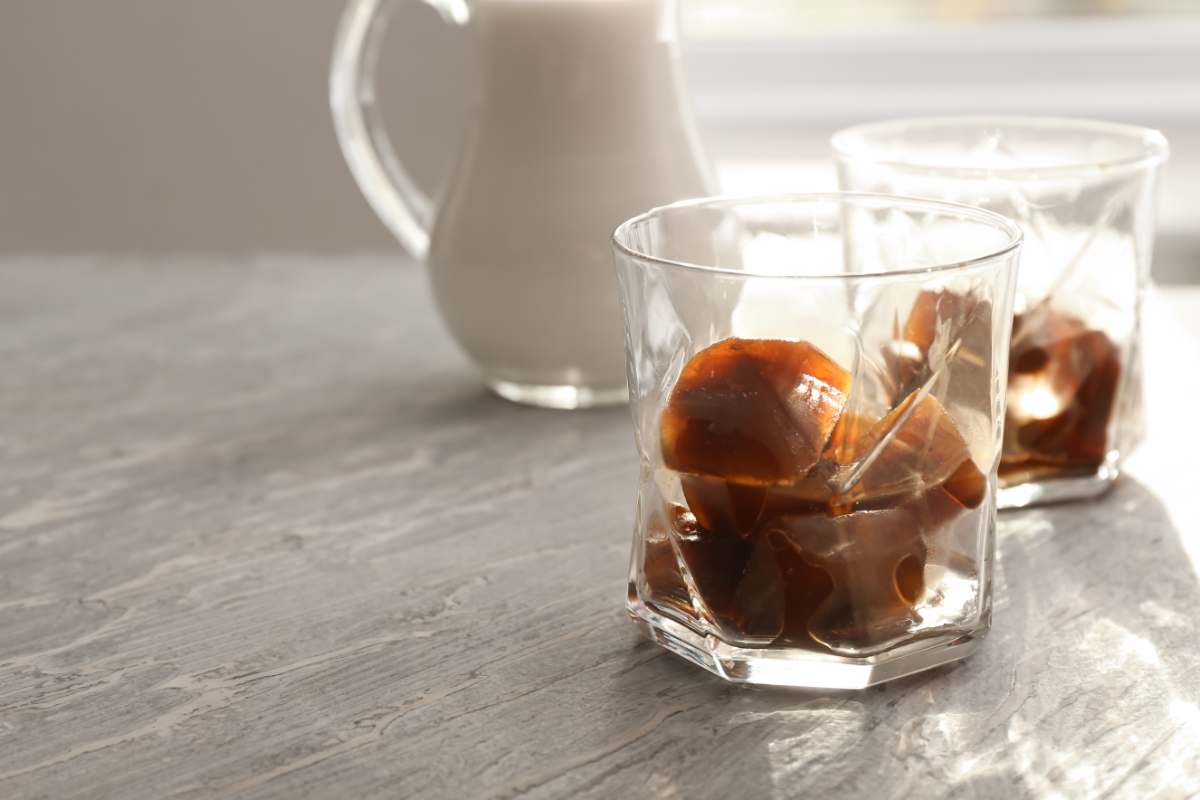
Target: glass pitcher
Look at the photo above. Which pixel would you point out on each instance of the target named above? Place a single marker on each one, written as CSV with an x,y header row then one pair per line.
x,y
584,121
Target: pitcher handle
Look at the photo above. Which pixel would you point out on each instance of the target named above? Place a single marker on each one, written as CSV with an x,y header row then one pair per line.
x,y
391,191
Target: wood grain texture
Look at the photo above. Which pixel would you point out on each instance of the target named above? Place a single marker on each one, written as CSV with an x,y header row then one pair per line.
x,y
263,534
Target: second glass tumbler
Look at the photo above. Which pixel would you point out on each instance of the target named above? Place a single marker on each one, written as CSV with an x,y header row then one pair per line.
x,y
1083,192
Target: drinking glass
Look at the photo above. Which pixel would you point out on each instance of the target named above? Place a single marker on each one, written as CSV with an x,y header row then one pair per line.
x,y
1083,192
816,387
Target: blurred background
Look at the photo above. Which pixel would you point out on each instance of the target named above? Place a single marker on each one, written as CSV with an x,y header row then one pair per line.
x,y
155,126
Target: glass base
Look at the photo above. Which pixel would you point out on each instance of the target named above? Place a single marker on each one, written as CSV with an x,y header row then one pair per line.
x,y
798,668
1057,490
558,395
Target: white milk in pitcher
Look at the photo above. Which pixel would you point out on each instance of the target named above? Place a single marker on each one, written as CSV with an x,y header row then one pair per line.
x,y
583,124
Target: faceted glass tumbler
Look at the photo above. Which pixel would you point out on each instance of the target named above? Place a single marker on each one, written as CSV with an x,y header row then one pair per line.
x,y
816,383
1083,192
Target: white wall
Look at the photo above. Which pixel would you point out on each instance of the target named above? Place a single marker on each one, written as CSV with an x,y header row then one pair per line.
x,y
160,125
202,125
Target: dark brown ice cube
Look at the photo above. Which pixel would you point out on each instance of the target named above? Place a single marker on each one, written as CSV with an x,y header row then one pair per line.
x,y
739,583
935,512
753,410
1062,385
760,590
805,587
738,509
915,447
932,309
873,562
744,415
664,580
723,506
961,321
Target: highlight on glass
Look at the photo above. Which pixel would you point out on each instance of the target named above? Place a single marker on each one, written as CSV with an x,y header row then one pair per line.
x,y
1083,192
817,389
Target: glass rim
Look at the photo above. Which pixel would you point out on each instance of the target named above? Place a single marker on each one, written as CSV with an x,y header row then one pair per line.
x,y
1152,147
960,210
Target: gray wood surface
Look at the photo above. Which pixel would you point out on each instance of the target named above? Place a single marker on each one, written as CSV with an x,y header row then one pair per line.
x,y
263,534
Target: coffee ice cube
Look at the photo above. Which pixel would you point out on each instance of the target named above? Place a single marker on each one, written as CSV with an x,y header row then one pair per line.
x,y
932,310
942,326
746,415
915,447
738,509
756,591
722,506
739,583
805,587
665,585
873,562
1062,385
754,411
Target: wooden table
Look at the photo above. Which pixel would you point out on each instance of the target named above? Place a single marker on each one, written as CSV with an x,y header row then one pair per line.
x,y
262,533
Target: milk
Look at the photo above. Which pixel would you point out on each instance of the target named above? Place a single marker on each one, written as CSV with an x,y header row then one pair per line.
x,y
583,124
